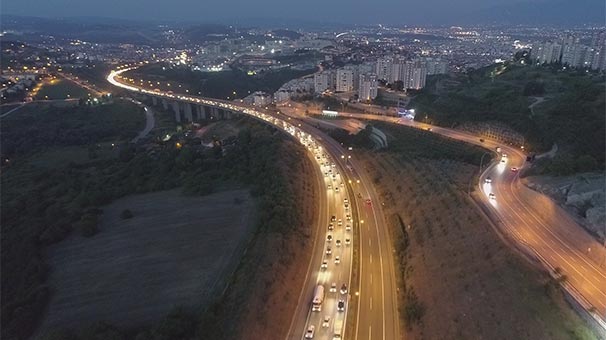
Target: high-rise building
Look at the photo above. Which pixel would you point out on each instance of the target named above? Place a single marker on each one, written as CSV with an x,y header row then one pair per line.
x,y
368,87
383,69
414,74
547,53
397,67
345,80
321,81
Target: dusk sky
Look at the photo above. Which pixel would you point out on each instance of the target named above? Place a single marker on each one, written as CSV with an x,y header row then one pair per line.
x,y
337,11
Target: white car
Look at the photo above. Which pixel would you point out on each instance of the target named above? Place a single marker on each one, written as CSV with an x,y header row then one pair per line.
x,y
324,265
347,241
326,322
337,260
348,227
345,200
344,289
328,251
340,222
348,217
333,287
488,180
310,332
492,196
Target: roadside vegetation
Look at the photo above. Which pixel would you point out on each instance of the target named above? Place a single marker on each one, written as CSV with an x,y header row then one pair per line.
x,y
229,84
571,115
457,278
66,164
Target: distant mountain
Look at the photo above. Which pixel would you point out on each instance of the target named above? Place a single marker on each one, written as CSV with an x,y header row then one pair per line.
x,y
564,13
92,29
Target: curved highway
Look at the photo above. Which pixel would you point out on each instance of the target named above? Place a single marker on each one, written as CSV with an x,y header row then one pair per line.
x,y
538,224
374,300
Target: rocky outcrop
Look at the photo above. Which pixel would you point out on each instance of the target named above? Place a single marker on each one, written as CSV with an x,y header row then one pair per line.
x,y
582,194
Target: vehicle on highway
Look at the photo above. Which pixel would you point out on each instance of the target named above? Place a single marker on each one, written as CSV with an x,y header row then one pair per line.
x,y
328,251
333,287
348,217
326,322
492,196
336,189
331,226
338,243
337,329
503,160
368,201
348,227
337,260
346,206
347,241
488,180
310,332
324,265
514,169
498,149
329,187
329,238
340,222
481,140
504,155
359,195
318,298
333,218
344,289
341,305
345,200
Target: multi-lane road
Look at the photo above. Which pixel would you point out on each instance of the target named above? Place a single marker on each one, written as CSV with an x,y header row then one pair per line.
x,y
373,299
534,221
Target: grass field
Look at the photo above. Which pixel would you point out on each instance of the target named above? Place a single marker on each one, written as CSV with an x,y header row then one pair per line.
x,y
175,251
61,89
457,279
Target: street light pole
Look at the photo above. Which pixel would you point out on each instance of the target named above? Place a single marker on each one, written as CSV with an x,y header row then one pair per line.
x,y
479,172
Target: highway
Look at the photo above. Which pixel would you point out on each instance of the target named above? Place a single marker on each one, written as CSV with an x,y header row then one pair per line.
x,y
375,298
534,221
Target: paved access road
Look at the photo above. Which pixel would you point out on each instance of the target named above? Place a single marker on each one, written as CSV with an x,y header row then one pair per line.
x,y
535,221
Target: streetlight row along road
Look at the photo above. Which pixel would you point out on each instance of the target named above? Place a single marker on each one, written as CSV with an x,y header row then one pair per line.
x,y
533,220
377,316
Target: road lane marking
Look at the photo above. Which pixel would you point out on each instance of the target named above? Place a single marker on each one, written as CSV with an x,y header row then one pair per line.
x,y
371,303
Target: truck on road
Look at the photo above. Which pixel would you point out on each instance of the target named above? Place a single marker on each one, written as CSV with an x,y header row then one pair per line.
x,y
316,303
338,329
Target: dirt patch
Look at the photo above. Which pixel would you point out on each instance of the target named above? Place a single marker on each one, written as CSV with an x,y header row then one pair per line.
x,y
457,279
174,251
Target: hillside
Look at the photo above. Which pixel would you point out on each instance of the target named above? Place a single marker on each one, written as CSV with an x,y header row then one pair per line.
x,y
570,112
